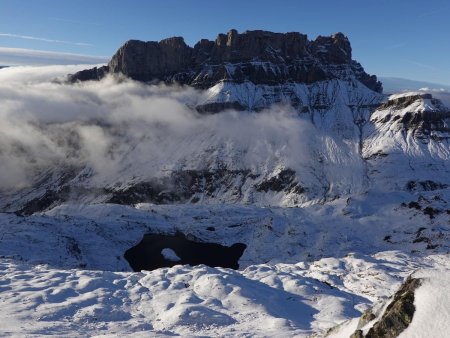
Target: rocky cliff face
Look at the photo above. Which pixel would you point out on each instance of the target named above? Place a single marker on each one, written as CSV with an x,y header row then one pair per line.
x,y
259,57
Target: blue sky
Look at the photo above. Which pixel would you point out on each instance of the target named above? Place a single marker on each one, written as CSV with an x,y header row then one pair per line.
x,y
408,39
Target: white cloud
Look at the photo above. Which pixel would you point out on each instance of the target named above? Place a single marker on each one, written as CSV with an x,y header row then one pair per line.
x,y
422,65
121,129
32,57
34,38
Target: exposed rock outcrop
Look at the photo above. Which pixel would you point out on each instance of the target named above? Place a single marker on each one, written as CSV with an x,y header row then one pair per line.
x,y
397,316
95,73
260,57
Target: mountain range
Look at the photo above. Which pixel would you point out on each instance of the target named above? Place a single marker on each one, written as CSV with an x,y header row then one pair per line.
x,y
335,191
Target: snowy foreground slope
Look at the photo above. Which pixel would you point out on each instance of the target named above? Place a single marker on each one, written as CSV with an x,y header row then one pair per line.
x,y
337,204
280,300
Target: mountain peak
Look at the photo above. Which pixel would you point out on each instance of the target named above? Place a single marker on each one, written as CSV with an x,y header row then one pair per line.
x,y
254,56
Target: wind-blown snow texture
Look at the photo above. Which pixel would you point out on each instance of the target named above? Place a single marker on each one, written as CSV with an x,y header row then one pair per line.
x,y
87,169
262,300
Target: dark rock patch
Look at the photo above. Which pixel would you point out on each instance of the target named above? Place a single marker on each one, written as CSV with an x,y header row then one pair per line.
x,y
72,247
431,212
49,198
216,107
419,231
91,74
398,314
376,155
421,239
414,205
284,181
427,185
404,101
182,186
357,334
431,246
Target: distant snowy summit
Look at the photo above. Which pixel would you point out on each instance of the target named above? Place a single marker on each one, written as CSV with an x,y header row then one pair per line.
x,y
275,62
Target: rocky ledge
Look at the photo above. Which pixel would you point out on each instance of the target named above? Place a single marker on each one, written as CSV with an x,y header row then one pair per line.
x,y
397,315
260,57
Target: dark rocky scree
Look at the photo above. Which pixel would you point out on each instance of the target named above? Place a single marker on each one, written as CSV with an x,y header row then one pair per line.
x,y
426,209
397,316
179,187
183,186
148,254
258,56
427,185
57,192
425,122
286,181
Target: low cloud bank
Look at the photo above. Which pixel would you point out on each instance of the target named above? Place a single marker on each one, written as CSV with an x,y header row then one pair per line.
x,y
121,129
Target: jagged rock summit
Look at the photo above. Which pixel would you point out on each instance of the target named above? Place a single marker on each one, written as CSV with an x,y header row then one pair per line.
x,y
259,57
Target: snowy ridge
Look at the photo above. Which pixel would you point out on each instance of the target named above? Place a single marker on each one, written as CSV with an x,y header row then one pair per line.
x,y
411,137
338,192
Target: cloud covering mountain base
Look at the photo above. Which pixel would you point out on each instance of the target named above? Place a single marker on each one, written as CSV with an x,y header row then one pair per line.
x,y
119,129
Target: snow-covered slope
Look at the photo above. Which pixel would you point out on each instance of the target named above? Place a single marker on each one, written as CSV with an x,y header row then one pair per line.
x,y
407,144
337,145
263,300
280,156
97,236
337,191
